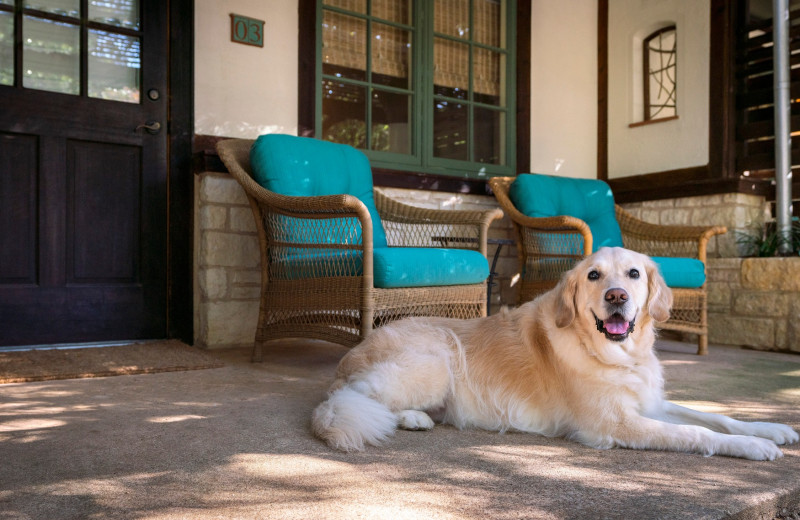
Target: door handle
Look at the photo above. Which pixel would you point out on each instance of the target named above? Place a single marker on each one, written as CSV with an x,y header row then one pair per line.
x,y
151,127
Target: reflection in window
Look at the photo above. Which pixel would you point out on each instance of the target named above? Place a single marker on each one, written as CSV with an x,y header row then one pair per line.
x,y
62,38
6,48
50,55
660,66
427,81
375,50
114,62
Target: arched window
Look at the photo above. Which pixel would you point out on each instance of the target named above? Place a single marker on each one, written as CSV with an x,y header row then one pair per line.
x,y
659,54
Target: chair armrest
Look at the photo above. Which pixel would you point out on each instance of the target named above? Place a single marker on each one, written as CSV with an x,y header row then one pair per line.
x,y
666,240
413,226
525,225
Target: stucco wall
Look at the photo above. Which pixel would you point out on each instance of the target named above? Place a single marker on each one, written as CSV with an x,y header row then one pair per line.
x,y
669,145
564,88
242,90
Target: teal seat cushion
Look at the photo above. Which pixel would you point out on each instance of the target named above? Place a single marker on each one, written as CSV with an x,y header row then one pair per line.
x,y
428,267
306,167
590,200
687,273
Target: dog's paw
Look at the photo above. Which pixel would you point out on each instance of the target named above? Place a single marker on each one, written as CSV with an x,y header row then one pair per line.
x,y
777,433
753,448
414,420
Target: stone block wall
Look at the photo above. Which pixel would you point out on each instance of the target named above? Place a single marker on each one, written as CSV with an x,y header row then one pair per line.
x,y
228,272
228,267
755,302
740,212
227,264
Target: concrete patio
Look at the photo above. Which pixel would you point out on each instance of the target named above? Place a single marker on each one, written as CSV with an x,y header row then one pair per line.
x,y
234,442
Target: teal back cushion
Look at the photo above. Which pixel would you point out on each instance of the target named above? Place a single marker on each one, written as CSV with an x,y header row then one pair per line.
x,y
590,200
306,167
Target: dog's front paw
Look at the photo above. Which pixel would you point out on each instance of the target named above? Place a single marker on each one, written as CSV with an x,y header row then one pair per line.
x,y
777,433
753,448
414,420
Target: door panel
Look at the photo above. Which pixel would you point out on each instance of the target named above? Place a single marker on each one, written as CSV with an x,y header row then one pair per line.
x,y
18,209
104,201
83,190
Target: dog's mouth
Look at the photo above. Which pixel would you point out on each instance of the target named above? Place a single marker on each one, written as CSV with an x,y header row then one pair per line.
x,y
615,327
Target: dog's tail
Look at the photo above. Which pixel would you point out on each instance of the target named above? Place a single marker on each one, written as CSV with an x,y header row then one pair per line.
x,y
349,419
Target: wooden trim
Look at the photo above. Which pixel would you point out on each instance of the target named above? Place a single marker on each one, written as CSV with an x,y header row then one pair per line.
x,y
306,66
602,89
652,121
523,95
680,183
722,98
180,181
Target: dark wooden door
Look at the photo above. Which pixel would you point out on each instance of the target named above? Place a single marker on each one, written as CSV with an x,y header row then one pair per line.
x,y
83,171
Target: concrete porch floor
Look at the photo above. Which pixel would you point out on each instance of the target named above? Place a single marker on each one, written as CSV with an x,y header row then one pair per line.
x,y
234,442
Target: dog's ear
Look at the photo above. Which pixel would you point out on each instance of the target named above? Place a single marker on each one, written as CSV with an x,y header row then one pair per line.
x,y
565,302
659,298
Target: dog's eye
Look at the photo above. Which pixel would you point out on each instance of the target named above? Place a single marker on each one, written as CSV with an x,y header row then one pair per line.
x,y
634,273
594,275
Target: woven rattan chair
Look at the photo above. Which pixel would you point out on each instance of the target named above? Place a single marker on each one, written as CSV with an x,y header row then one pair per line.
x,y
319,254
549,246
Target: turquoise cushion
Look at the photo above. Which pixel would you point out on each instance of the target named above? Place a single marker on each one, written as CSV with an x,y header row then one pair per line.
x,y
590,200
687,273
306,167
427,267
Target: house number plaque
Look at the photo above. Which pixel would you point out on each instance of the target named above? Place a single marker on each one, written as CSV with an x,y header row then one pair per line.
x,y
248,31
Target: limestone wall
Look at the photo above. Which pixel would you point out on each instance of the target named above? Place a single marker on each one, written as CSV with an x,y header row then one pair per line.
x,y
739,212
227,264
755,302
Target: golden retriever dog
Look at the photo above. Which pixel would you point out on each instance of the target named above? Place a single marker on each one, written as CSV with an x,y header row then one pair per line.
x,y
576,362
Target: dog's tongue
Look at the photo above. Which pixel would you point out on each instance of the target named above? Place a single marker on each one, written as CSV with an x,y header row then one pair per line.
x,y
616,325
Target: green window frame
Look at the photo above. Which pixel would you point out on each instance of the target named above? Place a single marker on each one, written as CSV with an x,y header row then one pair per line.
x,y
437,92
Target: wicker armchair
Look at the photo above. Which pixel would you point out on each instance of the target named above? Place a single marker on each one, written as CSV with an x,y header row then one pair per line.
x,y
317,266
549,246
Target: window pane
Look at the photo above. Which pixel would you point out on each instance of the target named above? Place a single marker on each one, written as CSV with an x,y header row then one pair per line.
x,y
114,64
357,6
391,122
50,56
398,11
7,2
121,13
344,44
390,56
660,60
344,113
6,48
62,7
488,28
489,83
450,130
450,68
490,126
451,17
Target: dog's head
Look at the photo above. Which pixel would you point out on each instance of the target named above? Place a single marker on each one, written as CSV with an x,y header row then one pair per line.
x,y
611,292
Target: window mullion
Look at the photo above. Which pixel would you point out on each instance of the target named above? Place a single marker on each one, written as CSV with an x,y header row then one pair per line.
x,y
471,85
423,80
368,88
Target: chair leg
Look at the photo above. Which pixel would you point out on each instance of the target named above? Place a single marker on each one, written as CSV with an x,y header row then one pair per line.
x,y
702,344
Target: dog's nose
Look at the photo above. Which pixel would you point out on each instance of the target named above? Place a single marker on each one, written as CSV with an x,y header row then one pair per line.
x,y
616,296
